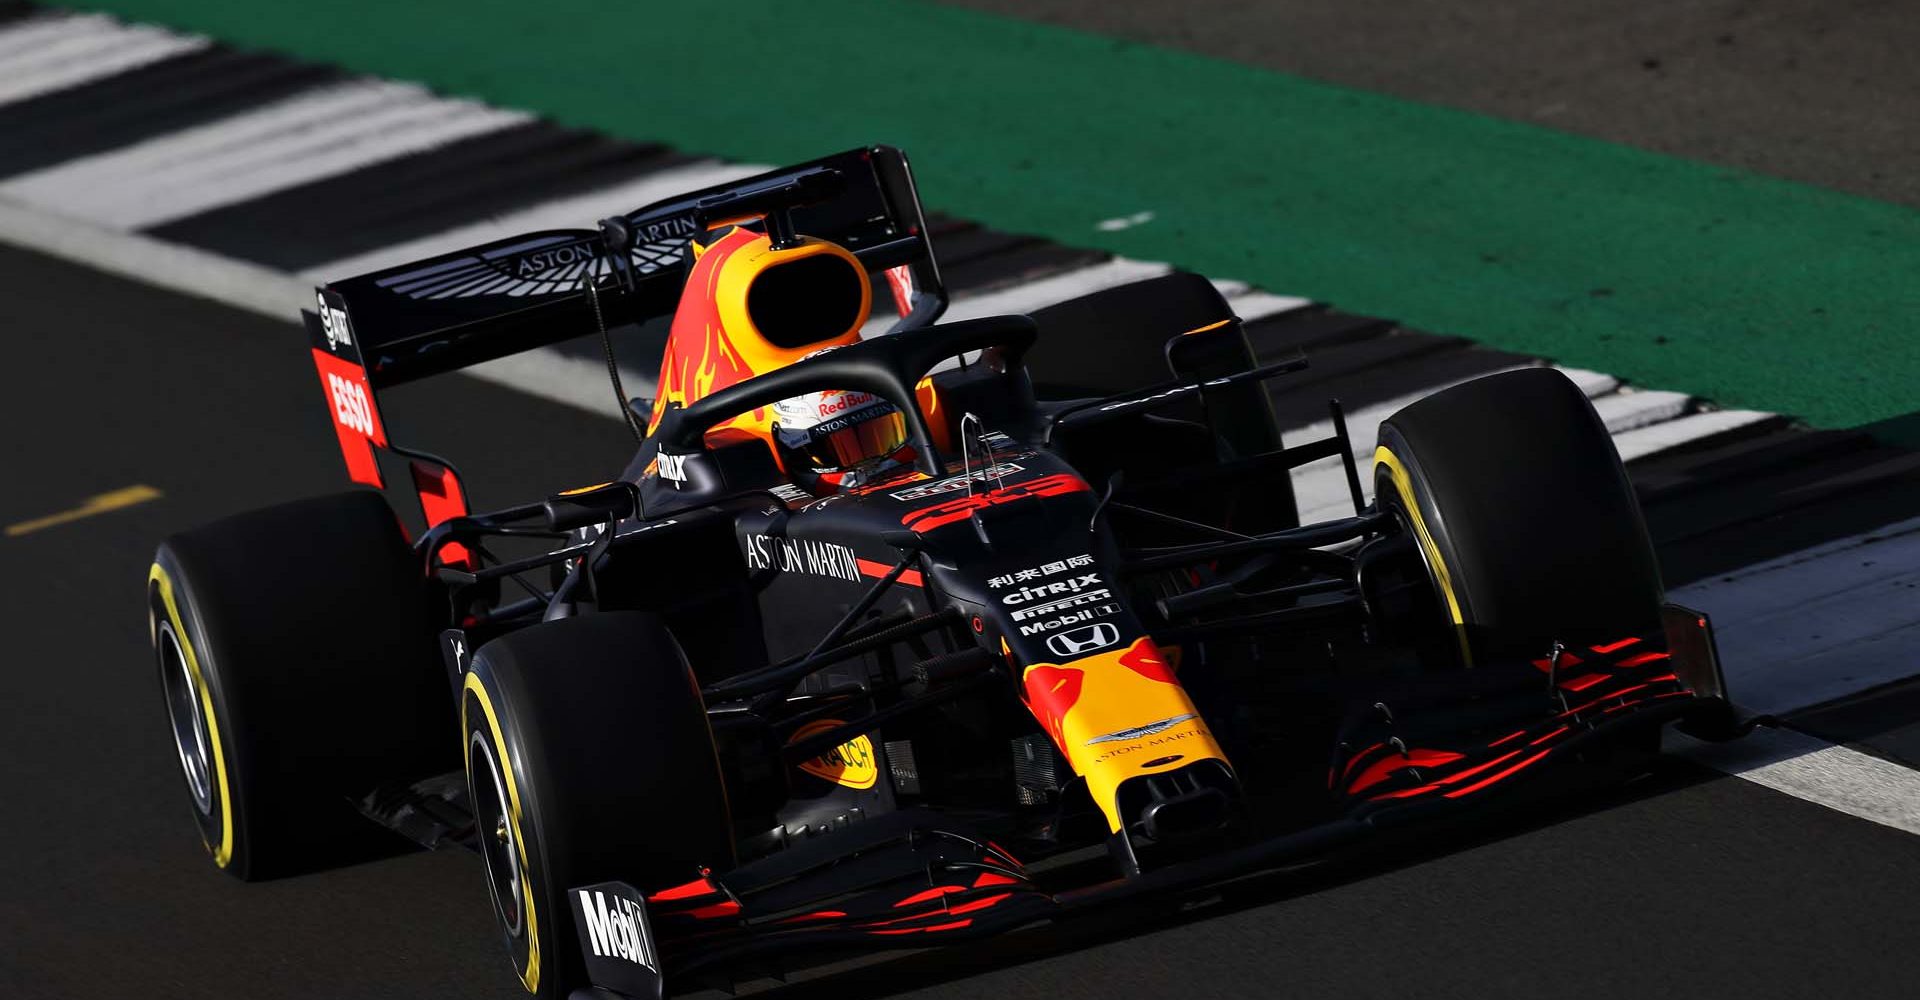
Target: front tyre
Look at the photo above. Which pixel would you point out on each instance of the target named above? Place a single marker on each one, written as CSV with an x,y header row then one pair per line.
x,y
1522,513
589,760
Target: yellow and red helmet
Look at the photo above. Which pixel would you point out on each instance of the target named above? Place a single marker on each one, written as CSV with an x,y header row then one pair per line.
x,y
750,308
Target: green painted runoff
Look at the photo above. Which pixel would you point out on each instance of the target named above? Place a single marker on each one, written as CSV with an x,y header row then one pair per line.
x,y
1751,291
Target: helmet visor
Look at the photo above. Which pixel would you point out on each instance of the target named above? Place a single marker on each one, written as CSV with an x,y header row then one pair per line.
x,y
834,431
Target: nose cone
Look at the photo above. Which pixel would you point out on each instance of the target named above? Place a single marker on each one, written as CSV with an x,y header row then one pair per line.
x,y
1121,714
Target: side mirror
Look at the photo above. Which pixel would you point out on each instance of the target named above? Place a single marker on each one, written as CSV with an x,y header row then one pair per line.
x,y
591,505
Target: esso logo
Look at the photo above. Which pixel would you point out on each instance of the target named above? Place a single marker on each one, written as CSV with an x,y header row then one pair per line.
x,y
350,406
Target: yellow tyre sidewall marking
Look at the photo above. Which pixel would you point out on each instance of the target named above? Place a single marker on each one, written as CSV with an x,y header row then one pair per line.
x,y
531,977
223,854
1403,484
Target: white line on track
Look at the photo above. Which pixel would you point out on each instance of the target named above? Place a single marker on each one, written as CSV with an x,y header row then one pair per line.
x,y
1630,408
1251,306
564,378
183,269
43,54
1032,295
1792,763
1644,441
315,134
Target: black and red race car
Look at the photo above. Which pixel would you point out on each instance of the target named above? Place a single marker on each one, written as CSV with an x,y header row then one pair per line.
x,y
871,644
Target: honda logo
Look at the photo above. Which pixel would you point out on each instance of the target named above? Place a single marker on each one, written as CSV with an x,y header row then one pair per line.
x,y
1083,640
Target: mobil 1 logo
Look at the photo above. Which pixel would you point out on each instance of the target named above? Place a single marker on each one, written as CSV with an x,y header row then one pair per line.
x,y
615,939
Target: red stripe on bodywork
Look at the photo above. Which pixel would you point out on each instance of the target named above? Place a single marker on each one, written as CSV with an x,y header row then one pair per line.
x,y
979,904
815,915
1545,663
694,889
1606,697
726,908
933,893
1612,646
1357,758
960,508
1451,778
1543,739
868,567
1637,660
1501,776
1381,770
442,499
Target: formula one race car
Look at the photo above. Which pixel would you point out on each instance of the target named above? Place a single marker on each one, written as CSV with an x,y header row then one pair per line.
x,y
872,645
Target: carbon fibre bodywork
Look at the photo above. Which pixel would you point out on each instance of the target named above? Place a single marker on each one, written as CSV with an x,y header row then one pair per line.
x,y
1050,654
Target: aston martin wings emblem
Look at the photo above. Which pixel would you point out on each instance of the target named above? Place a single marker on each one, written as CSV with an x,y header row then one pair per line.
x,y
1138,731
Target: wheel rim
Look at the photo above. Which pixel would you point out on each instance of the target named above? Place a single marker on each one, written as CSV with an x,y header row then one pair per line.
x,y
1446,634
189,723
495,830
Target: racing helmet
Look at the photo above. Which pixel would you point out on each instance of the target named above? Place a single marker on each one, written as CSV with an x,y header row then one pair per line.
x,y
836,438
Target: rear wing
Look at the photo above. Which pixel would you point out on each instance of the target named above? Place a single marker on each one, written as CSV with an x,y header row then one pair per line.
x,y
523,292
445,313
459,309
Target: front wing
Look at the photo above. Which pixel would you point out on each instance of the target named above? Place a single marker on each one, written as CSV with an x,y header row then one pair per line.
x,y
915,878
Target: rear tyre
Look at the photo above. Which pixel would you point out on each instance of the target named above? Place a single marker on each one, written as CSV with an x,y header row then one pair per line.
x,y
1115,340
589,759
299,671
1523,514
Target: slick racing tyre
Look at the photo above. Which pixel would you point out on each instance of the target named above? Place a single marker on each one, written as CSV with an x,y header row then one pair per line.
x,y
1522,514
588,760
299,671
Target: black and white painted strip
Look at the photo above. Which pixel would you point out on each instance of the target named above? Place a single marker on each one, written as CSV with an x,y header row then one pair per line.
x,y
312,134
122,109
52,52
377,206
247,177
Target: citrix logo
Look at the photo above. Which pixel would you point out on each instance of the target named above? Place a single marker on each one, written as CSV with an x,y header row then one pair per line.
x,y
1033,593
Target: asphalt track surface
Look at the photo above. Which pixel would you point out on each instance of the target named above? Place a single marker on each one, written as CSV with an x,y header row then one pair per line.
x,y
1819,91
1680,885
